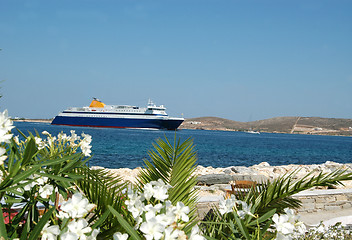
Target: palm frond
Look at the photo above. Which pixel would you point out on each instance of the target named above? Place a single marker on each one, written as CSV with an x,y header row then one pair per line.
x,y
175,165
278,193
103,189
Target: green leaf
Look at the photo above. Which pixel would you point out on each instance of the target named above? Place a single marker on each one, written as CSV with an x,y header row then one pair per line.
x,y
264,217
131,231
242,227
29,152
34,235
101,220
3,232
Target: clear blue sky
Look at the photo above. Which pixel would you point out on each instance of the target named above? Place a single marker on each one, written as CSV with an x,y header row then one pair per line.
x,y
241,60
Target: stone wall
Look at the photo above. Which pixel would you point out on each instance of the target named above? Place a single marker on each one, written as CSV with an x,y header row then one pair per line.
x,y
312,201
325,200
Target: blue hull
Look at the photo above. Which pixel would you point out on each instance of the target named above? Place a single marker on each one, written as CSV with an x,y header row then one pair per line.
x,y
169,124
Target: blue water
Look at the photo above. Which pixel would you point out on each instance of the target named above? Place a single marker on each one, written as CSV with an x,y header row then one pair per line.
x,y
126,148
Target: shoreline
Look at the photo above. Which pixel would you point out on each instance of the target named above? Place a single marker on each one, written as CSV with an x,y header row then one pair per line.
x,y
33,120
203,129
209,176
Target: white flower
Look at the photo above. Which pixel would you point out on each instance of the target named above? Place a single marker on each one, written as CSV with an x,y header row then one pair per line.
x,y
2,155
94,234
171,233
5,136
300,227
86,138
152,210
160,193
50,232
16,139
226,206
246,210
46,190
292,217
280,236
148,191
41,144
181,212
69,236
152,229
62,136
85,147
46,133
73,138
157,189
137,209
321,229
77,206
79,227
51,141
195,234
63,215
282,225
5,121
120,236
41,180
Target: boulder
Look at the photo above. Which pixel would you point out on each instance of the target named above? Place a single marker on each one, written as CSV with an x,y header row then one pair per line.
x,y
212,179
255,178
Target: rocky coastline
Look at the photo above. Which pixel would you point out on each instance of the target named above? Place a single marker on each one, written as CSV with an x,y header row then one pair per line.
x,y
214,181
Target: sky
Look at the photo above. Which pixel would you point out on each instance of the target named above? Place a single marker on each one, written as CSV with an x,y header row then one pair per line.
x,y
243,60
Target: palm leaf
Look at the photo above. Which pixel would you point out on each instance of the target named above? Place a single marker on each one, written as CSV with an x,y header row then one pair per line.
x,y
278,193
175,165
104,190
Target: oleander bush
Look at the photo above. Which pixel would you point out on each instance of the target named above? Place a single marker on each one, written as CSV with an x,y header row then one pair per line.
x,y
47,191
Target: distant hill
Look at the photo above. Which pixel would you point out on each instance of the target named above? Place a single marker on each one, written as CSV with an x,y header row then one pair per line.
x,y
303,125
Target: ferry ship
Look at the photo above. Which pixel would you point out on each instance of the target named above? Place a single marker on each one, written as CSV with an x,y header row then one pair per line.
x,y
118,116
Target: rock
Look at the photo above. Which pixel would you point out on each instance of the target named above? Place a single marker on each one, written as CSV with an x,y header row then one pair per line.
x,y
228,171
242,170
255,178
212,179
264,164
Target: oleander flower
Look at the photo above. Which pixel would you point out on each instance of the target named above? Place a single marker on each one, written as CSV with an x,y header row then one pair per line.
x,y
157,189
152,229
181,212
85,144
79,227
246,210
5,136
152,210
16,139
50,232
136,209
62,136
46,133
68,236
51,141
94,234
282,225
292,217
5,121
171,234
120,236
40,143
3,157
226,206
77,206
195,234
46,190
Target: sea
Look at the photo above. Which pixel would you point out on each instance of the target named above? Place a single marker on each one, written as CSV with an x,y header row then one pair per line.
x,y
128,148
